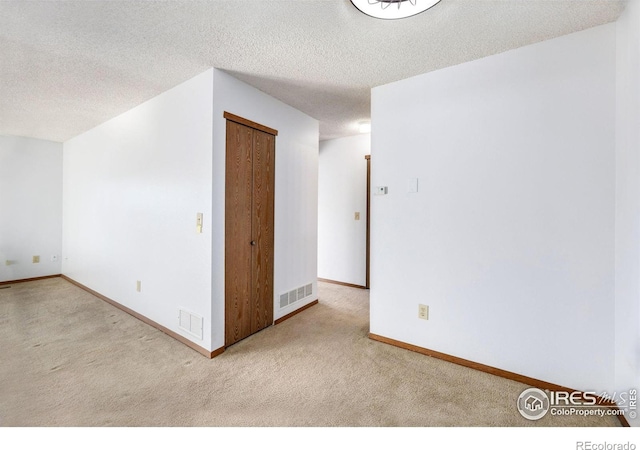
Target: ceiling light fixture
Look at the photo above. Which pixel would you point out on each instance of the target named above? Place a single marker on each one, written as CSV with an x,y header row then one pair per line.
x,y
393,9
364,127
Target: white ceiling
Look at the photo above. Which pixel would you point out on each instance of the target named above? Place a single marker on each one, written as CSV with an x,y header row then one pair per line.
x,y
66,67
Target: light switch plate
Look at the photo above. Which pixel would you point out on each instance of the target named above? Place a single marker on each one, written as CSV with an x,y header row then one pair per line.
x,y
380,190
199,223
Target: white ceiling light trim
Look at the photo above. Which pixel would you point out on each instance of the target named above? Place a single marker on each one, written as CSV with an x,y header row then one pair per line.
x,y
393,9
364,127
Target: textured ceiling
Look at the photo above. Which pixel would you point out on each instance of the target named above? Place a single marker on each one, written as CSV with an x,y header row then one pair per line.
x,y
67,66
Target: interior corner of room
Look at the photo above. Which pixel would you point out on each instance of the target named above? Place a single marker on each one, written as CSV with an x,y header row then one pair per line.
x,y
161,228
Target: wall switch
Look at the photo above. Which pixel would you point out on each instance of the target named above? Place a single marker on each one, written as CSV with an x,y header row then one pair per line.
x,y
199,223
357,216
380,190
36,259
138,285
423,312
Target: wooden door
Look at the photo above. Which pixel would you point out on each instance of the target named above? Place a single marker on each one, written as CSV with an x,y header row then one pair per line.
x,y
262,230
249,242
238,220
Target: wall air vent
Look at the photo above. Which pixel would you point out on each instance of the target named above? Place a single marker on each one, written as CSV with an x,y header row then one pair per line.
x,y
295,294
190,323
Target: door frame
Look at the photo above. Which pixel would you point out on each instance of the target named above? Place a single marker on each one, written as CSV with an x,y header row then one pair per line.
x,y
249,123
368,263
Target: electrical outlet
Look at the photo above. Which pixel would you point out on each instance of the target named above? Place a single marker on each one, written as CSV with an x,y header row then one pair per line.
x,y
138,285
357,216
35,259
423,312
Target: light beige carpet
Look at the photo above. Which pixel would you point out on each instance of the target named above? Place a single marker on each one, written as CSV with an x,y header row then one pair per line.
x,y
70,359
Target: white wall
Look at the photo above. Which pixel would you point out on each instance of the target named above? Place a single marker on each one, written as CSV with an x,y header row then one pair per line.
x,y
627,314
296,192
342,191
132,189
510,239
30,207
